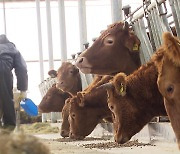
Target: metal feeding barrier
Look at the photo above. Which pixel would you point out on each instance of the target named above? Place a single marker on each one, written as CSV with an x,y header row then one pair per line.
x,y
44,87
150,20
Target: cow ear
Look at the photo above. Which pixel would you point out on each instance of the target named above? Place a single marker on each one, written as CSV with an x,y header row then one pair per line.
x,y
172,47
126,26
80,97
132,42
52,73
120,84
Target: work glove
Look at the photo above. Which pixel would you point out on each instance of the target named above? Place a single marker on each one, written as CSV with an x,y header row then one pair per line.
x,y
18,97
22,95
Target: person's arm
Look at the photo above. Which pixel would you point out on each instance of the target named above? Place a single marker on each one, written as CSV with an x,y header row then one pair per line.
x,y
21,72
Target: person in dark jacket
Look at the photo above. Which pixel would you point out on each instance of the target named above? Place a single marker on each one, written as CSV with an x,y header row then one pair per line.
x,y
10,58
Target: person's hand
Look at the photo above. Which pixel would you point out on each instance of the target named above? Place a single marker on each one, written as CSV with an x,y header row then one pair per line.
x,y
22,95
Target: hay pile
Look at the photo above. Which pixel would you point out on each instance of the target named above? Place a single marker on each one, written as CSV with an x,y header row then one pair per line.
x,y
39,128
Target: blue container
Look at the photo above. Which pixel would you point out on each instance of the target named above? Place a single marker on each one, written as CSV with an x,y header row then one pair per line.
x,y
29,107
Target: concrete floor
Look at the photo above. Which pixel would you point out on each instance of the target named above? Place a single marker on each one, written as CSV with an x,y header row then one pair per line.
x,y
58,145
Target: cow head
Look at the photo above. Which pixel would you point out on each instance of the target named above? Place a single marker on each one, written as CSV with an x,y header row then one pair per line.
x,y
169,80
128,113
86,111
68,78
115,50
53,101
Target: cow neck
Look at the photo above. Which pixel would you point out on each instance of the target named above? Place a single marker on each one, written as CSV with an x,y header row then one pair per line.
x,y
146,79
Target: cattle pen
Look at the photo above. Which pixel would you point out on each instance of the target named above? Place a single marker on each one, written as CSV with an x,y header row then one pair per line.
x,y
148,19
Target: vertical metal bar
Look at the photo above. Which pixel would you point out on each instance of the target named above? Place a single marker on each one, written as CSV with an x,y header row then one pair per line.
x,y
116,10
151,34
145,38
82,23
4,16
137,32
177,10
40,40
156,27
163,18
153,30
49,32
83,30
144,46
177,25
62,27
177,5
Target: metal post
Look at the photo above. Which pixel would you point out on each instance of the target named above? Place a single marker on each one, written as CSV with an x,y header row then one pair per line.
x,y
143,55
49,34
82,23
116,9
40,40
147,43
176,22
83,30
4,15
62,27
154,33
156,27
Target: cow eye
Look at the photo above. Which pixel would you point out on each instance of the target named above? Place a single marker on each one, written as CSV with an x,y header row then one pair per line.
x,y
110,41
71,71
170,89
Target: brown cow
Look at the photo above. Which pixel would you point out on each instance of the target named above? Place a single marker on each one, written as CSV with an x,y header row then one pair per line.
x,y
68,78
134,100
169,80
87,109
65,111
115,50
53,101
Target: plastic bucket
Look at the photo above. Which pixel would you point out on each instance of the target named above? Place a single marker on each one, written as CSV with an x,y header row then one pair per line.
x,y
29,107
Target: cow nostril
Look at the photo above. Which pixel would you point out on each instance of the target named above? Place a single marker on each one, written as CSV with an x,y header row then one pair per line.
x,y
71,134
61,82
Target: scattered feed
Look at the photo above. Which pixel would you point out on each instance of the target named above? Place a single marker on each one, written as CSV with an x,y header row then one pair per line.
x,y
109,145
85,139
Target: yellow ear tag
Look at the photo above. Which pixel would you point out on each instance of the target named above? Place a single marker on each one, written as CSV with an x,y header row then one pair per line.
x,y
121,89
135,47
